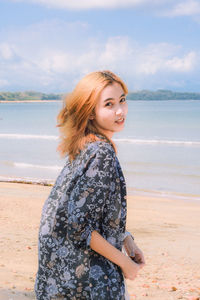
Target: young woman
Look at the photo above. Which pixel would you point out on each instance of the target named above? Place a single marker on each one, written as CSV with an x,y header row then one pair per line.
x,y
83,224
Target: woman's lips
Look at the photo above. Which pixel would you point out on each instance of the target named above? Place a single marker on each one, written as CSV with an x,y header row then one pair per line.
x,y
120,121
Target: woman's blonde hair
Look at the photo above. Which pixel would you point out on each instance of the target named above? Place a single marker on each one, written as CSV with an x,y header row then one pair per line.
x,y
76,126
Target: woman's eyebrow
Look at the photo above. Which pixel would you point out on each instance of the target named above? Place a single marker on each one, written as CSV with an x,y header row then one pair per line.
x,y
108,99
123,95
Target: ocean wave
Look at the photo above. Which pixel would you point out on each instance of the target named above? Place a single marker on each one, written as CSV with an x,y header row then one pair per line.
x,y
27,136
152,170
27,165
117,140
139,141
162,172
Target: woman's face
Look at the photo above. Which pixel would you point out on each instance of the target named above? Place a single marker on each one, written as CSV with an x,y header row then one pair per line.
x,y
111,110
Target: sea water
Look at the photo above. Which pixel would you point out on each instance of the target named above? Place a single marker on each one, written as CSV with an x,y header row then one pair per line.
x,y
159,149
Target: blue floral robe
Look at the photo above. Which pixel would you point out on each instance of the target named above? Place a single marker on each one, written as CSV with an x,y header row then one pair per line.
x,y
89,194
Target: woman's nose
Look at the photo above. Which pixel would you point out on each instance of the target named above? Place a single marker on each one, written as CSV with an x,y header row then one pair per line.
x,y
119,111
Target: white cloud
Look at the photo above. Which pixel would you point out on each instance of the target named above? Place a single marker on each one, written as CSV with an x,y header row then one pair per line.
x,y
164,8
56,62
185,64
94,4
163,58
3,83
183,8
52,56
6,51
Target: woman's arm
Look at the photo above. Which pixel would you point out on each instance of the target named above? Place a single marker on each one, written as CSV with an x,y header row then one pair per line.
x,y
104,248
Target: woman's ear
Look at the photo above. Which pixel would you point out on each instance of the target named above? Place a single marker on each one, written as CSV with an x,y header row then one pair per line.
x,y
91,117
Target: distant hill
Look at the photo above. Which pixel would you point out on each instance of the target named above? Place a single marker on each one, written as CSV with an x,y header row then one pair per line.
x,y
28,95
162,95
138,95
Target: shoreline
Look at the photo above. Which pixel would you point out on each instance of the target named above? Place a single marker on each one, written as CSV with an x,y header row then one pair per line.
x,y
167,232
130,191
33,181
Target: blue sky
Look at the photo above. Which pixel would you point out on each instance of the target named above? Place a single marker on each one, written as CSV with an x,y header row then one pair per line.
x,y
48,45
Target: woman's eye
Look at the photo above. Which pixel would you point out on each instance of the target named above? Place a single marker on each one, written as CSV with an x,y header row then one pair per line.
x,y
109,104
123,100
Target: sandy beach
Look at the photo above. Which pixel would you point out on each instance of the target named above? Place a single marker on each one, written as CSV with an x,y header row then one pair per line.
x,y
166,229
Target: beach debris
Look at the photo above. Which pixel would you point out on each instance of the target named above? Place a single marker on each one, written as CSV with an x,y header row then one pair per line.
x,y
145,285
164,253
163,286
192,290
173,289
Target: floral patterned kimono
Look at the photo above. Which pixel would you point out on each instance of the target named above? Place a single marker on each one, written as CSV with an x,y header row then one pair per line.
x,y
89,194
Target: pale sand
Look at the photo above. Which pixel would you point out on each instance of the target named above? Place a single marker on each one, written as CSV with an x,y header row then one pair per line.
x,y
167,230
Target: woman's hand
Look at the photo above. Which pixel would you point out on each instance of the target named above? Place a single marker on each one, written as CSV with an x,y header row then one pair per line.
x,y
130,268
104,248
133,251
134,261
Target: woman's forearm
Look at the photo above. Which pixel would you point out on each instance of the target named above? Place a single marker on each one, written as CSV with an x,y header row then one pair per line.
x,y
103,247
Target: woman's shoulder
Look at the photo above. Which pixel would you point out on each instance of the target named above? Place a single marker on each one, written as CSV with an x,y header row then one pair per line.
x,y
100,147
96,150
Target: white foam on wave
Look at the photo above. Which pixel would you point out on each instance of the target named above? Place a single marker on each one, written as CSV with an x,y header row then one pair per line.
x,y
139,141
28,165
27,136
25,165
118,140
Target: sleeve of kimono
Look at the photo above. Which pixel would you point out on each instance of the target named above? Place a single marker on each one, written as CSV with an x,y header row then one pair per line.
x,y
88,197
127,233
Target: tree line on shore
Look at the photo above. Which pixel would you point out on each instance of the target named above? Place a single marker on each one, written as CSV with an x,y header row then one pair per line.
x,y
137,95
28,95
